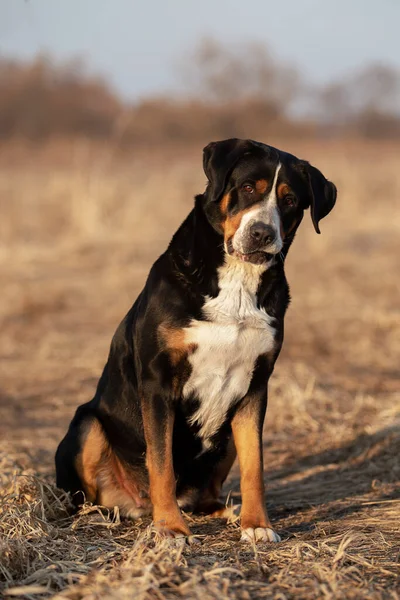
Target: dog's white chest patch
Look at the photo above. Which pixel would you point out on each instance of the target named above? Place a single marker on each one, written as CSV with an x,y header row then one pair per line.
x,y
228,344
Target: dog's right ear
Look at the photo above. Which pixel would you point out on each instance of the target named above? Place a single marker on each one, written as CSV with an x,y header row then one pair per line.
x,y
219,158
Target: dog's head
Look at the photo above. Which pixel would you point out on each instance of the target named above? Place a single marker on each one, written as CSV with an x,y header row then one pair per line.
x,y
256,196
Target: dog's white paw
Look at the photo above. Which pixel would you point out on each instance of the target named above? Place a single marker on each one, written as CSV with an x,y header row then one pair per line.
x,y
259,534
175,538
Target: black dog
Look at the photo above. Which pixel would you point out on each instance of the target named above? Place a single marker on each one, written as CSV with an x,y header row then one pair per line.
x,y
185,384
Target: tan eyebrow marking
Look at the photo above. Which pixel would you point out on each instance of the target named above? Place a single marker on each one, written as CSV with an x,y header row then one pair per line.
x,y
283,190
261,186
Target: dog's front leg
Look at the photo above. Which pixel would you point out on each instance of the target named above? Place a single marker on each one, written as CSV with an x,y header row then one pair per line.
x,y
158,421
247,425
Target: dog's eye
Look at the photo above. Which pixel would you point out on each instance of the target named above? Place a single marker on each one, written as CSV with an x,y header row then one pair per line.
x,y
248,188
290,201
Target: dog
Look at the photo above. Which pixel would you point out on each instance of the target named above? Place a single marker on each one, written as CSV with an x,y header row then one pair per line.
x,y
185,385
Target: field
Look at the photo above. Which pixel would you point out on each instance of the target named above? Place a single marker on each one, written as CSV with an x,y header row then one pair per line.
x,y
80,226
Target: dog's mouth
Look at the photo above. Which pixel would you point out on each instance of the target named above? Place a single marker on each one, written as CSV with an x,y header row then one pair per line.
x,y
256,258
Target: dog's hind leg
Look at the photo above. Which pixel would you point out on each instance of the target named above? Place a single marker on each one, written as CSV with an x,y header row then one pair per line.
x,y
94,450
88,467
78,457
69,451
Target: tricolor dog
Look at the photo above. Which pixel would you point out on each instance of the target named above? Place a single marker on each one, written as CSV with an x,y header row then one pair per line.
x,y
185,386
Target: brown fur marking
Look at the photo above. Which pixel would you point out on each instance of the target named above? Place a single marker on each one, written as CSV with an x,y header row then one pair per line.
x,y
247,436
283,190
94,449
174,340
261,186
167,516
104,478
232,224
225,203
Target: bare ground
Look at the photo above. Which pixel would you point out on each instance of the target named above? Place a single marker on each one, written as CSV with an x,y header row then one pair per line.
x,y
79,232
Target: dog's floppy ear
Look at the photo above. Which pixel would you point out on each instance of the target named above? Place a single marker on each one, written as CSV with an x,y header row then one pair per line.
x,y
322,194
219,158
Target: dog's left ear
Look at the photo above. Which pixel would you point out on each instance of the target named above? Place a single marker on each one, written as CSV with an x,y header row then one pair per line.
x,y
219,158
322,194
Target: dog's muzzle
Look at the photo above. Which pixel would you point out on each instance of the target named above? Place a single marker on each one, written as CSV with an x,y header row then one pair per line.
x,y
257,243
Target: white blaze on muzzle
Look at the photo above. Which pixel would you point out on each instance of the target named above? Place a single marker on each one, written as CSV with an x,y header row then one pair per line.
x,y
266,212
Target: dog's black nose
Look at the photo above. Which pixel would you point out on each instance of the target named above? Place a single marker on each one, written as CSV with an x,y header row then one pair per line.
x,y
262,233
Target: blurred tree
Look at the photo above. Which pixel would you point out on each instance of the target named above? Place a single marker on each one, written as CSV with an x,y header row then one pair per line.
x,y
367,102
235,90
246,72
41,98
377,88
334,104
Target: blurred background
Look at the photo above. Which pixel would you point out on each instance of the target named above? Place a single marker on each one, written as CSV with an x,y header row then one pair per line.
x,y
151,73
105,107
104,110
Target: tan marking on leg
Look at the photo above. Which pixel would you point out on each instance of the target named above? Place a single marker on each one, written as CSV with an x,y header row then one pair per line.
x,y
104,478
94,449
167,516
247,436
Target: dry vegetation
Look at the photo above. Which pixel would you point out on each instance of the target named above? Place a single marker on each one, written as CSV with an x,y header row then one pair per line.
x,y
228,90
80,226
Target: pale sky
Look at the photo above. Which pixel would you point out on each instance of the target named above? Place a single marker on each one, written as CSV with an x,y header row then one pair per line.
x,y
138,44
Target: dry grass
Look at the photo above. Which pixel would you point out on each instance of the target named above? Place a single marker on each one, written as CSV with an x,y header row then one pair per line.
x,y
79,231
